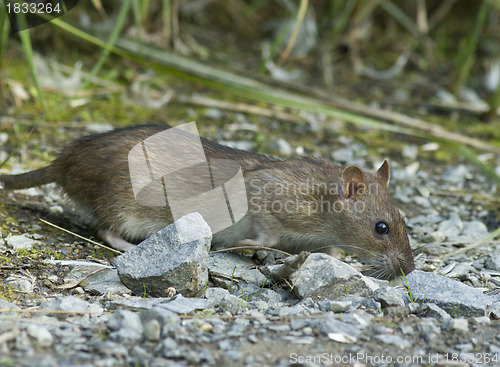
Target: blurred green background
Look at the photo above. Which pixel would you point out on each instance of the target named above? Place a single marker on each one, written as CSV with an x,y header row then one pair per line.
x,y
387,72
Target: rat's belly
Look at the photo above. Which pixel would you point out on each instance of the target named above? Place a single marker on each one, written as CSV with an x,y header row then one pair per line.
x,y
230,236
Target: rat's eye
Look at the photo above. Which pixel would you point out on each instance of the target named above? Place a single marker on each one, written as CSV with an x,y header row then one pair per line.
x,y
382,228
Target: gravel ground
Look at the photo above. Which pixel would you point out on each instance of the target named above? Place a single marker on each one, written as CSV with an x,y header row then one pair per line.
x,y
66,314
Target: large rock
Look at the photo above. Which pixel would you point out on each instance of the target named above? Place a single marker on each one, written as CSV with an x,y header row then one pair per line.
x,y
452,296
105,281
322,276
175,257
221,299
227,269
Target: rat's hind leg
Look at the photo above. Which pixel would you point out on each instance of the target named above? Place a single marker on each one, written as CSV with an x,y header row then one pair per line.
x,y
115,240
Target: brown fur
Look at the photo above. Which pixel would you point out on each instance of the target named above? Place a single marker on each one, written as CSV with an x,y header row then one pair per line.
x,y
326,204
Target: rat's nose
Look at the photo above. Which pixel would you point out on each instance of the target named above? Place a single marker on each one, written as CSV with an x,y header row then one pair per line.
x,y
404,263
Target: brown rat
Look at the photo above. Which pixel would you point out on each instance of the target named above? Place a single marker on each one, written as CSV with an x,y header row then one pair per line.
x,y
300,204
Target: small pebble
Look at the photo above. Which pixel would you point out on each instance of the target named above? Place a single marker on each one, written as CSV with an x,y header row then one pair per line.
x,y
20,242
41,335
459,325
152,330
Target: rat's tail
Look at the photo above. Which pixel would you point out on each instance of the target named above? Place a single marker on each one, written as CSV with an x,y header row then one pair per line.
x,y
29,179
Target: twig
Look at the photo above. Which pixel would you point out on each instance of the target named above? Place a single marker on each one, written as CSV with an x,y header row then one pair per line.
x,y
240,107
81,237
474,245
477,107
396,118
295,32
400,119
475,196
422,23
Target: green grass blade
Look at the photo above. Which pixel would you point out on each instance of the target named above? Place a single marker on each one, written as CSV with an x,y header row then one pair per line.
x,y
167,20
120,20
342,19
486,239
82,34
229,82
28,52
467,49
401,17
253,7
245,87
4,35
275,45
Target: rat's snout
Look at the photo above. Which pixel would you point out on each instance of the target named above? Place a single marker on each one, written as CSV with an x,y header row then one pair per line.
x,y
391,265
403,262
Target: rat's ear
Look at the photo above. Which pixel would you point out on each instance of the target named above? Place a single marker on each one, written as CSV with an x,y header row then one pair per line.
x,y
384,173
353,182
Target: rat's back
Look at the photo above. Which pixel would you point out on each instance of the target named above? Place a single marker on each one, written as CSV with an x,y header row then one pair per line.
x,y
94,172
